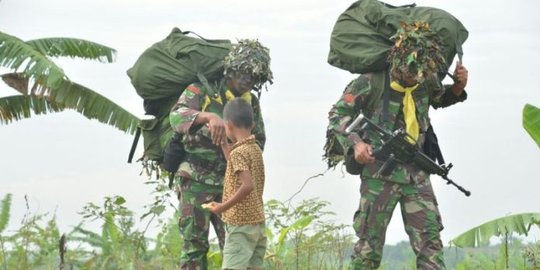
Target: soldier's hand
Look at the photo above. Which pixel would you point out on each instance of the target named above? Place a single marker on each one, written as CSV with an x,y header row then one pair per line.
x,y
217,129
363,153
461,75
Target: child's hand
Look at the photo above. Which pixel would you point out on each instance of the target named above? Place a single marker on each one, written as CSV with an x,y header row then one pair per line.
x,y
213,207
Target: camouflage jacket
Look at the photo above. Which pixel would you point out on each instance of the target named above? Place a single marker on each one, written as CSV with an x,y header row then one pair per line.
x,y
205,162
354,101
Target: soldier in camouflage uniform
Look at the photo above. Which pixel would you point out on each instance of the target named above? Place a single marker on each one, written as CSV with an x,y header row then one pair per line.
x,y
407,184
198,116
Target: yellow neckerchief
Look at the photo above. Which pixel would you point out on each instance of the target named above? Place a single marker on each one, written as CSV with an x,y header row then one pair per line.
x,y
409,110
228,95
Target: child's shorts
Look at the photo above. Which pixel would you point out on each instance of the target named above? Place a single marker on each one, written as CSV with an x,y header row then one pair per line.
x,y
245,246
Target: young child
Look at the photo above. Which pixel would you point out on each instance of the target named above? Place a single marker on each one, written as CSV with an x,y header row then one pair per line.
x,y
242,207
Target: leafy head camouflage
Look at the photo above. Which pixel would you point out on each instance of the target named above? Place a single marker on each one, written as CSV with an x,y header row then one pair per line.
x,y
417,52
249,57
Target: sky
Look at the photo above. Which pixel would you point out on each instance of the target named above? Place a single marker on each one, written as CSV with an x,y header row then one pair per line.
x,y
63,161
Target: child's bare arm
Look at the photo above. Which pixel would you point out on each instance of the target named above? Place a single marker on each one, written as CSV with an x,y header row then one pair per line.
x,y
246,187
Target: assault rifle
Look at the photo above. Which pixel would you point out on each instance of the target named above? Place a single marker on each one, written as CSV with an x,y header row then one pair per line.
x,y
397,149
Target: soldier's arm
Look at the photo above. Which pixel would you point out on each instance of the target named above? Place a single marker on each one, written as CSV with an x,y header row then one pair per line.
x,y
448,98
184,116
346,108
258,130
453,93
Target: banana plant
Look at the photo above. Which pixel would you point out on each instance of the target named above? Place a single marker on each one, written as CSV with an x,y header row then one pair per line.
x,y
503,227
43,87
479,235
531,122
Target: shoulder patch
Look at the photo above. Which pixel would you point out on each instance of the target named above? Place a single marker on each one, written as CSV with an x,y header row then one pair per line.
x,y
194,89
348,98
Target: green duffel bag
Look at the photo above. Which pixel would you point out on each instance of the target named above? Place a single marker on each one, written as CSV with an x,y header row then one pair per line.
x,y
360,39
159,76
165,69
156,134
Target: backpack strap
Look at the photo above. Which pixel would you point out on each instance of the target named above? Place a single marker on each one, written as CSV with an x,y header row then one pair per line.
x,y
386,95
205,83
379,85
134,144
403,6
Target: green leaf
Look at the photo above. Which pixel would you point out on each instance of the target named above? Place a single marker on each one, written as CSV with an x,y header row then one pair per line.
x,y
4,211
110,234
72,47
519,223
531,122
15,108
158,210
282,235
69,95
18,56
86,236
410,59
119,200
51,90
302,222
173,240
269,234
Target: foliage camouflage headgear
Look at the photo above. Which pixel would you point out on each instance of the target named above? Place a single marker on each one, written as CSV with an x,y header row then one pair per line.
x,y
416,51
249,57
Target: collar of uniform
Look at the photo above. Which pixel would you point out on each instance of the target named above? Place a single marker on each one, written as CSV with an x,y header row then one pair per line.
x,y
248,140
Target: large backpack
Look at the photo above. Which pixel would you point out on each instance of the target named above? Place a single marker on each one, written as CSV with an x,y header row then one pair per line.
x,y
161,74
360,39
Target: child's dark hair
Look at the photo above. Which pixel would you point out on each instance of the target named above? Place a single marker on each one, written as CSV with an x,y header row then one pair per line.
x,y
239,112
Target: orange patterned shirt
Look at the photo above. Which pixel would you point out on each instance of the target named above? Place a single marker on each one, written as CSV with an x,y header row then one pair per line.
x,y
245,156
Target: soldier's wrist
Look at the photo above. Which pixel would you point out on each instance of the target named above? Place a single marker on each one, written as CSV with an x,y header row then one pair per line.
x,y
355,139
457,90
207,116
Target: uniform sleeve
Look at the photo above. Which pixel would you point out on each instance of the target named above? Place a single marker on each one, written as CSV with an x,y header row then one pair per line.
x,y
258,131
186,110
346,108
447,98
239,161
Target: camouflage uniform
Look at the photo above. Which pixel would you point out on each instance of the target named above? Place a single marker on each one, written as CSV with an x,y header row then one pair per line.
x,y
407,184
201,176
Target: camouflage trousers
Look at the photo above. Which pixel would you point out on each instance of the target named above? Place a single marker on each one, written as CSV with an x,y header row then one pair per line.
x,y
195,222
421,218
